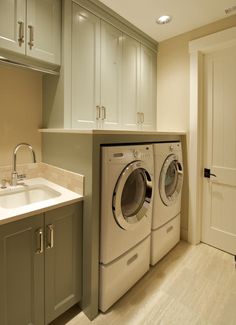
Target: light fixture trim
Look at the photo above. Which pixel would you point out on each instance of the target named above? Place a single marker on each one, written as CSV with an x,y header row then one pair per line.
x,y
164,19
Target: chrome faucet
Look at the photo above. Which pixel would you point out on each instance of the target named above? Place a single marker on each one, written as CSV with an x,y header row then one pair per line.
x,y
14,175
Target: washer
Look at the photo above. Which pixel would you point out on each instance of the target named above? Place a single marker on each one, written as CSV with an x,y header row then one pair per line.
x,y
126,214
168,165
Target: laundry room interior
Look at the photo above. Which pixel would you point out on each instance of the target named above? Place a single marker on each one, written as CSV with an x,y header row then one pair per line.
x,y
117,162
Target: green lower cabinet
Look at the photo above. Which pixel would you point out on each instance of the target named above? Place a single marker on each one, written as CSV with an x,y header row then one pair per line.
x,y
63,260
22,272
40,266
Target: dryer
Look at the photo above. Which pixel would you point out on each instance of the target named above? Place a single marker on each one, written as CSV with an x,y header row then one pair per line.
x,y
126,215
168,166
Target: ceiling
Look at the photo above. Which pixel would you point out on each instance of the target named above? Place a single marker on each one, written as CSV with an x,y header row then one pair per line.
x,y
186,14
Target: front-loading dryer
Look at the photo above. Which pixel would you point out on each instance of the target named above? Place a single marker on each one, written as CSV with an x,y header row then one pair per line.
x,y
126,215
168,166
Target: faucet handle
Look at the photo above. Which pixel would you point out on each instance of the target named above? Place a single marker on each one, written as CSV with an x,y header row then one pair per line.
x,y
4,182
20,177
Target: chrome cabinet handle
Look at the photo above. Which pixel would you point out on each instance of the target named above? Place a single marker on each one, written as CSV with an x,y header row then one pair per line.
x,y
98,112
21,33
142,117
31,36
104,113
39,233
50,230
138,118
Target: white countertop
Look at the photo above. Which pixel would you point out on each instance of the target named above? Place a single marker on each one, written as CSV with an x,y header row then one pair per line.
x,y
65,197
102,131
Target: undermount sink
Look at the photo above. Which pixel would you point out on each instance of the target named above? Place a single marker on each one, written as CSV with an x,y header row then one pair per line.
x,y
26,194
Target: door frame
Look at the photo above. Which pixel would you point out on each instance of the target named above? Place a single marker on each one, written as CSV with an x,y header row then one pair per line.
x,y
197,49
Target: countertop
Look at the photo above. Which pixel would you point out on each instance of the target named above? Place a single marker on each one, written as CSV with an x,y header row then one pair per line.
x,y
65,197
103,131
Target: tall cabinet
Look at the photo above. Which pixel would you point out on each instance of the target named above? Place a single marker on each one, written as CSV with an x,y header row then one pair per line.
x,y
113,82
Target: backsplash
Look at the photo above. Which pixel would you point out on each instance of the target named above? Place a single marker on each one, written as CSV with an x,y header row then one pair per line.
x,y
65,178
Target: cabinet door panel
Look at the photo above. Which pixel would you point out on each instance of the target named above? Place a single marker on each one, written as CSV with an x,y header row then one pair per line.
x,y
11,14
85,68
45,18
63,261
148,88
130,82
21,273
111,53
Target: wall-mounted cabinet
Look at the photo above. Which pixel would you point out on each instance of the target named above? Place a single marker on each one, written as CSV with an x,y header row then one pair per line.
x,y
109,73
41,260
31,28
113,76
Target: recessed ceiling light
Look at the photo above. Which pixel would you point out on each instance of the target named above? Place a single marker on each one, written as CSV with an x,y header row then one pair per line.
x,y
165,19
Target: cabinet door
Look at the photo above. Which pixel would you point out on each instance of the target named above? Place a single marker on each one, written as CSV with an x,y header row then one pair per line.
x,y
63,259
130,82
44,30
12,25
111,53
85,68
21,272
148,88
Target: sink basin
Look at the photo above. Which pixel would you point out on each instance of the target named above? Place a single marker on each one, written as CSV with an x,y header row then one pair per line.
x,y
17,197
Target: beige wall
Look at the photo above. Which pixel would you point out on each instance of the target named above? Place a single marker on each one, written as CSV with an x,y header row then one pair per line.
x,y
20,112
173,76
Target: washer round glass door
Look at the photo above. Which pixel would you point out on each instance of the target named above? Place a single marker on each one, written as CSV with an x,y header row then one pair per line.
x,y
132,195
171,179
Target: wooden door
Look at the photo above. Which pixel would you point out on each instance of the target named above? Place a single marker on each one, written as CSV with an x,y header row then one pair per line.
x,y
85,68
22,272
130,82
148,88
219,191
63,259
12,25
44,30
111,53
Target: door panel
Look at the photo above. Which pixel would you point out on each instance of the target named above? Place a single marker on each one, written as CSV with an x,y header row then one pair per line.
x,y
21,273
63,259
130,82
45,18
85,68
148,88
12,13
219,193
111,52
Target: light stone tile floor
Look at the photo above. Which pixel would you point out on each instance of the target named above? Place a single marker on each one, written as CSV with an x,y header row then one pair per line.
x,y
192,285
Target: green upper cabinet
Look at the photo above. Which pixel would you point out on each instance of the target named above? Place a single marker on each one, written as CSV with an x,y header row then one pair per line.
x,y
12,25
85,88
148,89
113,76
130,83
96,71
32,28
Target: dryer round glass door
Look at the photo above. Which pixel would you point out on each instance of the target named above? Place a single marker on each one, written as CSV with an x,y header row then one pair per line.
x,y
132,195
171,180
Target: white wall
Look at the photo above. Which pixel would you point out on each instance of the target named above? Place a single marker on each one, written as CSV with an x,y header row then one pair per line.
x,y
173,76
20,112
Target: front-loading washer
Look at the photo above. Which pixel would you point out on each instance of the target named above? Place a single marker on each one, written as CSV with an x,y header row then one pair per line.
x,y
168,166
125,223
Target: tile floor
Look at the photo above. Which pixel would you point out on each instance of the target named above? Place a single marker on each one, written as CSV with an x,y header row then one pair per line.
x,y
191,285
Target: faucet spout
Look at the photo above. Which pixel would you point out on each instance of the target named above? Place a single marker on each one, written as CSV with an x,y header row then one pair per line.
x,y
14,172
